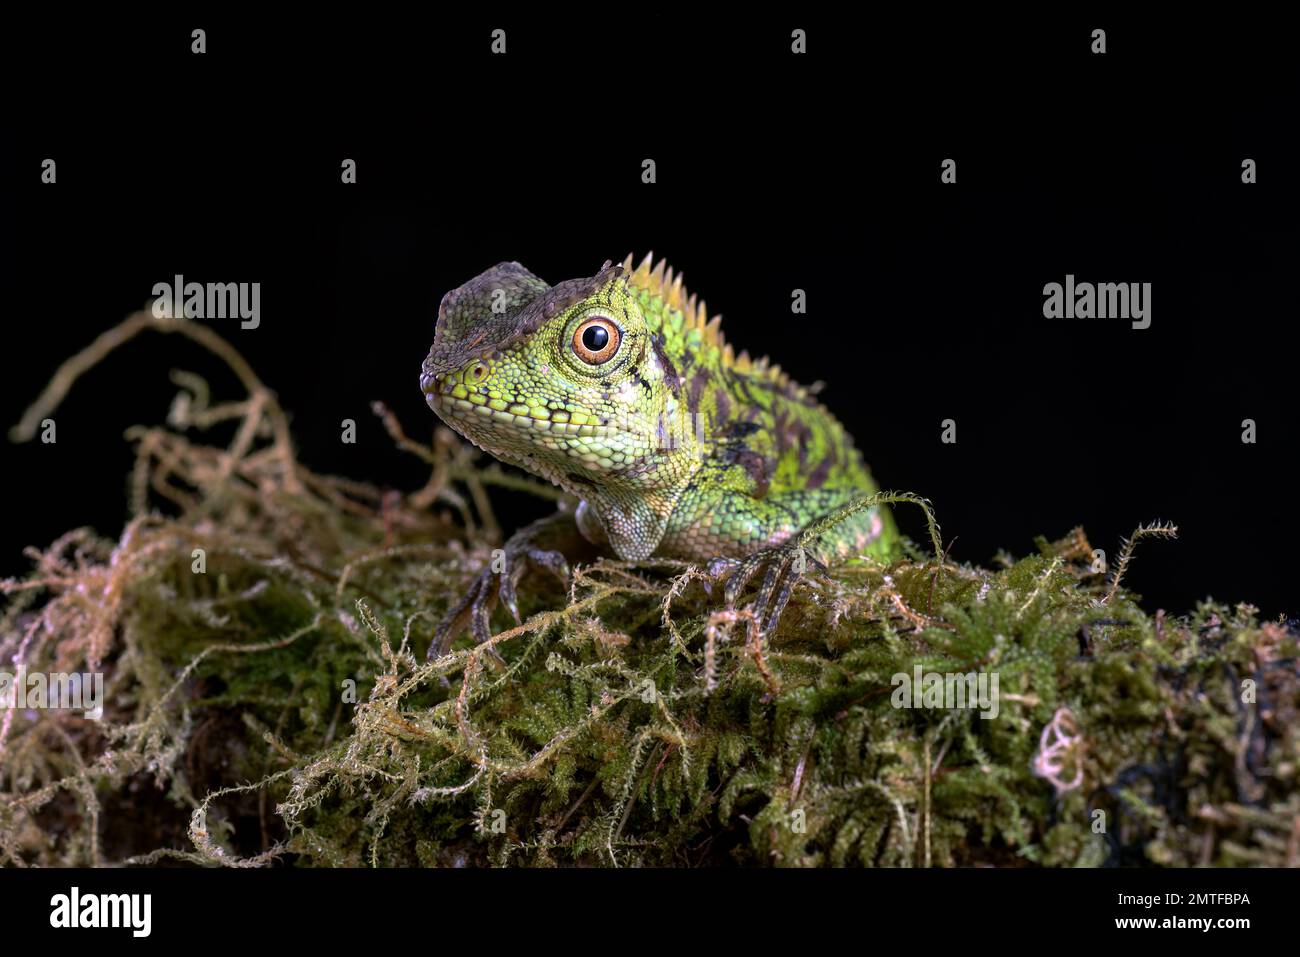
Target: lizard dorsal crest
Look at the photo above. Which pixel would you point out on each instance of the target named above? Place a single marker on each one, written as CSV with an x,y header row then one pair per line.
x,y
659,280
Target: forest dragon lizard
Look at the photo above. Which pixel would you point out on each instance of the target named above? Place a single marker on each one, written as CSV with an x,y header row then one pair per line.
x,y
620,389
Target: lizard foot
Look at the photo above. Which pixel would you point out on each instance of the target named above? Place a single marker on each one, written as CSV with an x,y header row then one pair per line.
x,y
782,565
499,582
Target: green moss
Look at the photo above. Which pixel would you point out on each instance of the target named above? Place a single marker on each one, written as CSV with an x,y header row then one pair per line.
x,y
277,705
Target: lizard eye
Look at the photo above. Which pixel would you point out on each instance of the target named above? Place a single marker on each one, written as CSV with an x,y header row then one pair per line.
x,y
596,340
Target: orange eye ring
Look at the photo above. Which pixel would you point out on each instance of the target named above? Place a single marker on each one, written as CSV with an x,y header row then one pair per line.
x,y
596,340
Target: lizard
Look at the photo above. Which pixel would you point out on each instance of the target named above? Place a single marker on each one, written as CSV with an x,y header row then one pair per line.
x,y
621,389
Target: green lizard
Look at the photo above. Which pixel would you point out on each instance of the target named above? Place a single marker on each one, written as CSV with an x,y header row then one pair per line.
x,y
621,390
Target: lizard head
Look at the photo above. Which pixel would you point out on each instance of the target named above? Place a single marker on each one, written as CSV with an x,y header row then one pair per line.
x,y
564,381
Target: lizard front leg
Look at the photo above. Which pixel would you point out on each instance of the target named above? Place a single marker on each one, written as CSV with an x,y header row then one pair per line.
x,y
549,544
749,534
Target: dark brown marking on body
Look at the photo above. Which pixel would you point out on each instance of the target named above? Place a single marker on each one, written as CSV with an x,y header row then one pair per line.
x,y
802,436
742,384
738,430
817,478
670,371
698,383
724,405
756,466
782,432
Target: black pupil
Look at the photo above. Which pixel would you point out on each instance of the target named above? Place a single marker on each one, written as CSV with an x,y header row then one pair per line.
x,y
595,338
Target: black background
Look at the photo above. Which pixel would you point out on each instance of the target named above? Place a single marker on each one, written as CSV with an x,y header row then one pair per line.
x,y
775,172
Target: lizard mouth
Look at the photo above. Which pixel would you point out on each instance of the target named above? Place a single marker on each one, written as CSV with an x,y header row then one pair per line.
x,y
553,442
476,411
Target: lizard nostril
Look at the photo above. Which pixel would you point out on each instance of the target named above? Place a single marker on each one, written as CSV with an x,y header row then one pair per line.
x,y
478,372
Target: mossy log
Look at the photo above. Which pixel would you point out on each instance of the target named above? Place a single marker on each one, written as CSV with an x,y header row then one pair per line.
x,y
261,630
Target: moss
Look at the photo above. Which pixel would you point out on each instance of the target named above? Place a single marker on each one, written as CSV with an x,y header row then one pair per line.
x,y
277,706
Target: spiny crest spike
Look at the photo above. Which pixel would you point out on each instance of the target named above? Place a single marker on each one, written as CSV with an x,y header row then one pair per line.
x,y
641,277
675,293
661,281
692,313
713,328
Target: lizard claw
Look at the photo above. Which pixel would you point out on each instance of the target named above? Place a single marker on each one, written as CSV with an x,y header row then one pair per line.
x,y
783,565
718,570
517,562
478,603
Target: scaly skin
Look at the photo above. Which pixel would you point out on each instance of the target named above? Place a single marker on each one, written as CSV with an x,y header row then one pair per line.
x,y
675,446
